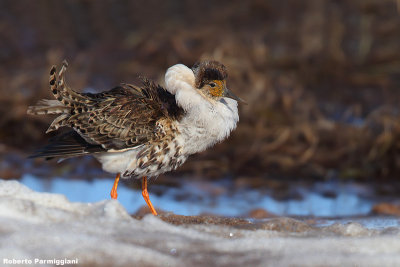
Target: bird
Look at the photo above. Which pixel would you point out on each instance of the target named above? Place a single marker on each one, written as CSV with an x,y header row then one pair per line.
x,y
141,131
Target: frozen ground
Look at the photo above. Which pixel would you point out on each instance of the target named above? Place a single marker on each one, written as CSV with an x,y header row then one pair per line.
x,y
47,226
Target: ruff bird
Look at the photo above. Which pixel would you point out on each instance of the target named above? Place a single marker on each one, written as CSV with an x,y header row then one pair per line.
x,y
141,131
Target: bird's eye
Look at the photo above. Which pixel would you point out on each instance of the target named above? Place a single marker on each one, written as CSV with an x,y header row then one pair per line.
x,y
212,84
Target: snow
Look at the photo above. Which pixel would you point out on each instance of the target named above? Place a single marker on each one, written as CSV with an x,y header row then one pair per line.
x,y
48,226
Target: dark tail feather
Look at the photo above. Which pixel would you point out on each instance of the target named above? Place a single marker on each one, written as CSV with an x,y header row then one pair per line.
x,y
67,145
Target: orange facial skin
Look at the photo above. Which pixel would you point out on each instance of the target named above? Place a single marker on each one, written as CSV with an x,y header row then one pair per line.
x,y
218,89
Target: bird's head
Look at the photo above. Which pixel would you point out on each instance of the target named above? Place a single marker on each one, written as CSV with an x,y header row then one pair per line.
x,y
210,79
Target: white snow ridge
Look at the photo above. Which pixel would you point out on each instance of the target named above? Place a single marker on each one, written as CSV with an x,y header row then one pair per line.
x,y
47,227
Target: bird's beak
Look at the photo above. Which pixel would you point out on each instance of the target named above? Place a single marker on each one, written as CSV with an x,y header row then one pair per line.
x,y
230,94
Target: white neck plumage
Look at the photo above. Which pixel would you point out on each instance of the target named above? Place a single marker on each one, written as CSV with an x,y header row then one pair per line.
x,y
206,121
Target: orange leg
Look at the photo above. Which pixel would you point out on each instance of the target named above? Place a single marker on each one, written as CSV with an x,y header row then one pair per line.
x,y
146,197
113,193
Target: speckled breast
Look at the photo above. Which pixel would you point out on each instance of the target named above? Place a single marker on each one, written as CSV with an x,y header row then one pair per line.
x,y
156,159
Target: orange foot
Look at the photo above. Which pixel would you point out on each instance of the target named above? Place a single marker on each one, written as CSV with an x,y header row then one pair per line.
x,y
146,197
114,194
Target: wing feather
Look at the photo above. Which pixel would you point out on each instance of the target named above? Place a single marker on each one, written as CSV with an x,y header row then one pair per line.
x,y
125,116
70,144
121,118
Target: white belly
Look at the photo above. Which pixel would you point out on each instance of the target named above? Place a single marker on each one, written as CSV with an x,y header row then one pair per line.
x,y
131,164
117,162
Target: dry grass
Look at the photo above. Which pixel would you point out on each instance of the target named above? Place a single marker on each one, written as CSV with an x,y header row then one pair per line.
x,y
321,77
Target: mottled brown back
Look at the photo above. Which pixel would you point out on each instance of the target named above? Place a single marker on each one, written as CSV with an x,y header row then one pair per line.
x,y
123,117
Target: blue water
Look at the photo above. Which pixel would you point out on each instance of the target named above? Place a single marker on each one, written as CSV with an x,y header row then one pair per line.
x,y
371,222
200,200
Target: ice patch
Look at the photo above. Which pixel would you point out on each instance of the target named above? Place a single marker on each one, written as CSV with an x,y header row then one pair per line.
x,y
200,201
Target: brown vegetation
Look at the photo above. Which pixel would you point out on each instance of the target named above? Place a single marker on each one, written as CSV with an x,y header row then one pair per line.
x,y
321,77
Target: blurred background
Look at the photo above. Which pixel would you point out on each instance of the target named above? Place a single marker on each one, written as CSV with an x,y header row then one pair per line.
x,y
321,79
